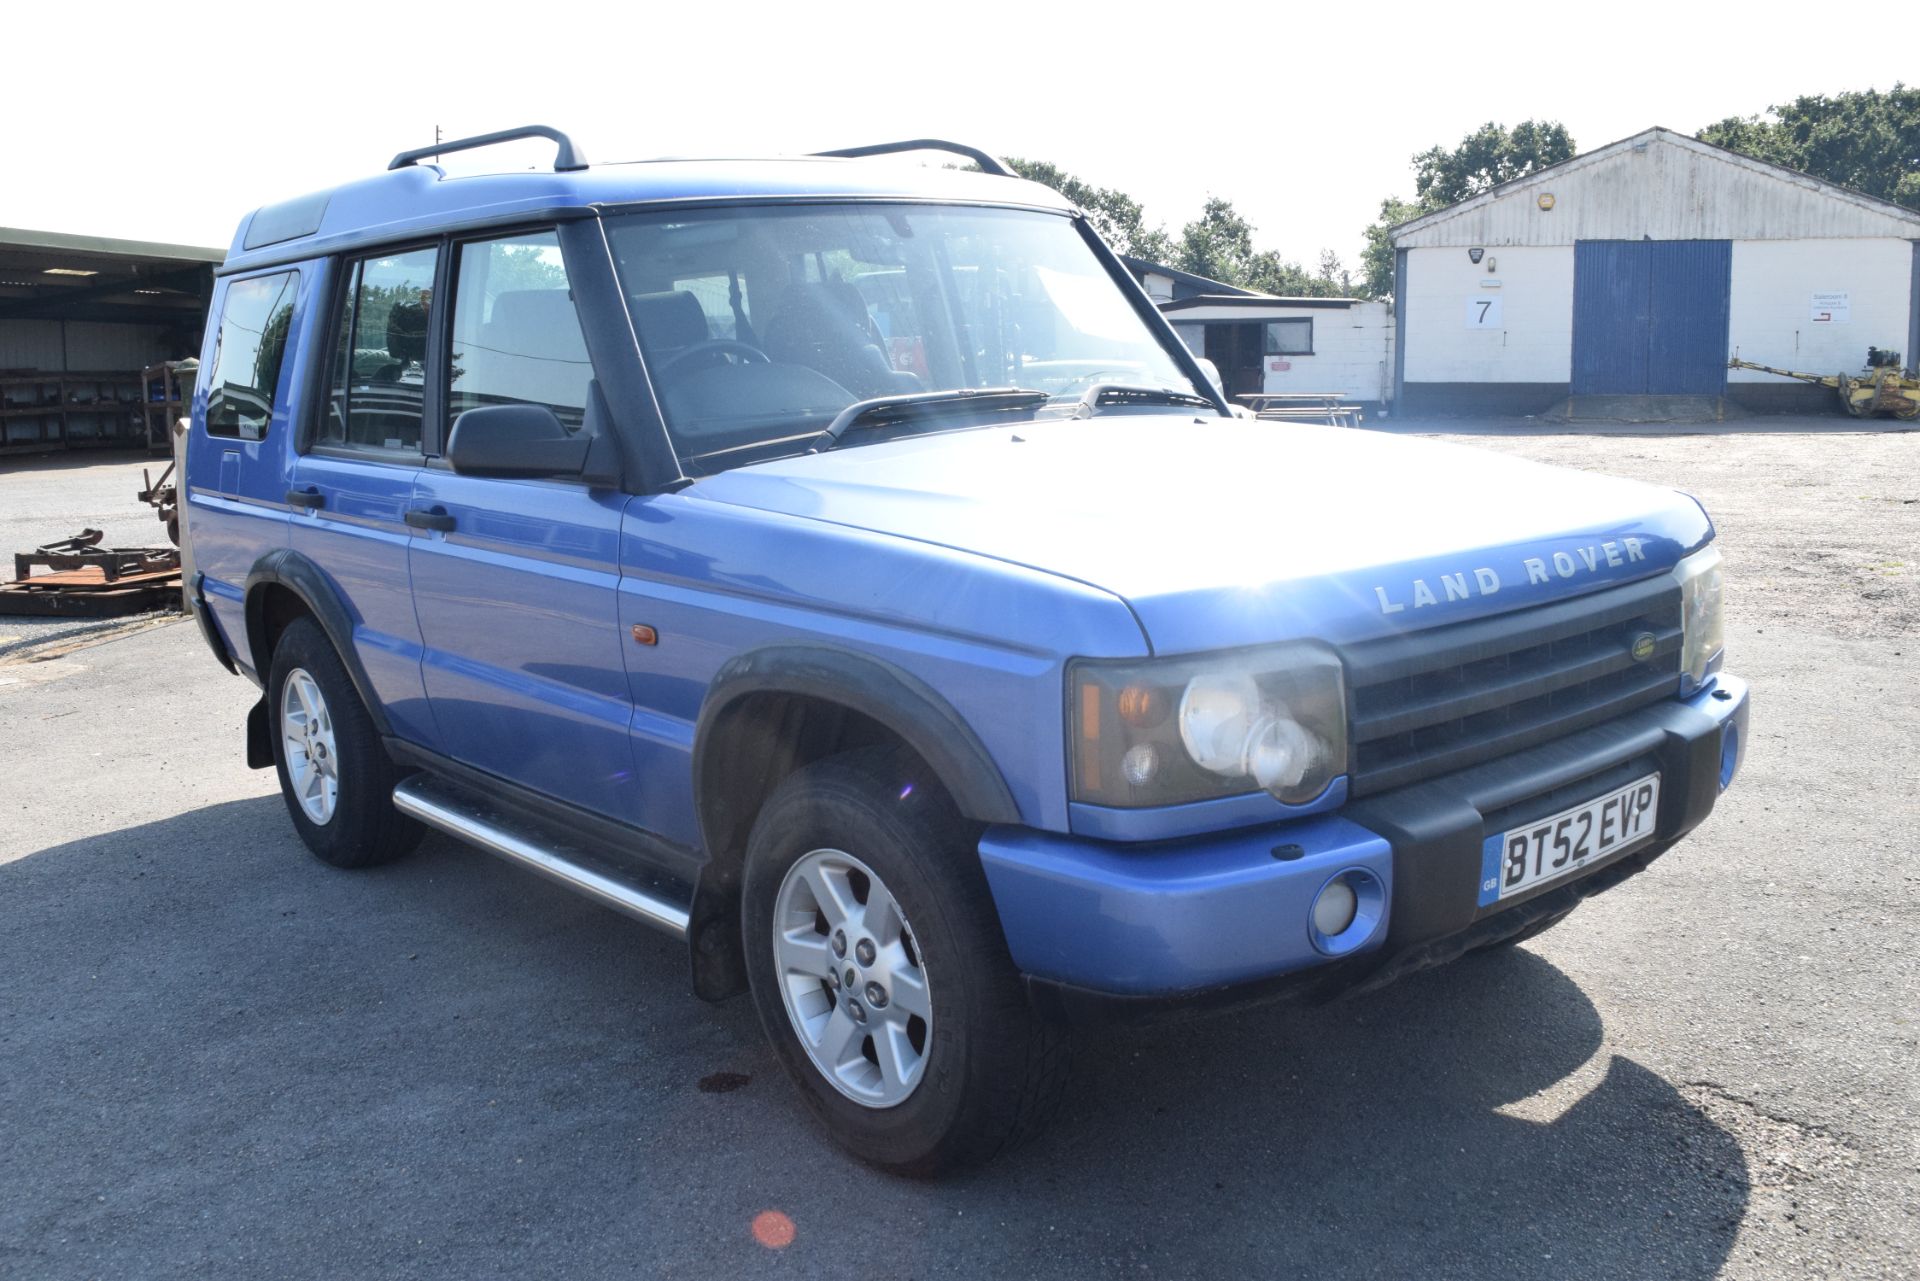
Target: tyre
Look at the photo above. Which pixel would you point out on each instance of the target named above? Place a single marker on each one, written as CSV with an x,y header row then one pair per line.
x,y
881,973
335,776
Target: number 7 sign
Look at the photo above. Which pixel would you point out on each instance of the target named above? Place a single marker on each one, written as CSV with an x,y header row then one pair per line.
x,y
1483,312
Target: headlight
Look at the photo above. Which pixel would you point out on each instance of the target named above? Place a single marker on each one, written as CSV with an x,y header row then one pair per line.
x,y
1703,630
1171,731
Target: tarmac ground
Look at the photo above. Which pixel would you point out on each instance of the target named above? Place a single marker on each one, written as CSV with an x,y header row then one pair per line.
x,y
223,1058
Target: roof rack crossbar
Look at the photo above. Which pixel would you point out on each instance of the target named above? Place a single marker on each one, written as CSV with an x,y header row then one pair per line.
x,y
986,162
566,159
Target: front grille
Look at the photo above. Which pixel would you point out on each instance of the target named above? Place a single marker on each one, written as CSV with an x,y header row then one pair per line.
x,y
1428,703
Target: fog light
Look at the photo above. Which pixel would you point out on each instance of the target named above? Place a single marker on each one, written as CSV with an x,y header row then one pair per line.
x,y
1334,910
1729,753
1348,912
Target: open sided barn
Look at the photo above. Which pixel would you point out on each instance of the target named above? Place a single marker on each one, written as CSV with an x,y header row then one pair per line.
x,y
87,328
1637,270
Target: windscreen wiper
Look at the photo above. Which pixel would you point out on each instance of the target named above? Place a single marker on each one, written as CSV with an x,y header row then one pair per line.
x,y
926,406
1126,395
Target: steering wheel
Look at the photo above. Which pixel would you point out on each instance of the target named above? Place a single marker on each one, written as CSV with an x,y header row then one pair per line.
x,y
748,353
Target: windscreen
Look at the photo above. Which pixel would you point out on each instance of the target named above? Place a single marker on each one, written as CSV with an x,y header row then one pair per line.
x,y
760,324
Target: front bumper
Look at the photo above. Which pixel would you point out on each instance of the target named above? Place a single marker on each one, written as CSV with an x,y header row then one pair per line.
x,y
1185,921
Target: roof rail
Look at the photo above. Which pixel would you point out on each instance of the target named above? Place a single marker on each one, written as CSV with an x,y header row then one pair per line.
x,y
567,158
979,157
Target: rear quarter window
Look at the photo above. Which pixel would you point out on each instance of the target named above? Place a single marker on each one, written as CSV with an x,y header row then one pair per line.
x,y
254,325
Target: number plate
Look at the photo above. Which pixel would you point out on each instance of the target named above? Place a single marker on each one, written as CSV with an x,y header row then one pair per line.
x,y
1562,844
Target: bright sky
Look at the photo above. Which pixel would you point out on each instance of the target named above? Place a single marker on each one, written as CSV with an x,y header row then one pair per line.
x,y
173,126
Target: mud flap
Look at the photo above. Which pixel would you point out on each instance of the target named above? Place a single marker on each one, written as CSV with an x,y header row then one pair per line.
x,y
259,738
713,941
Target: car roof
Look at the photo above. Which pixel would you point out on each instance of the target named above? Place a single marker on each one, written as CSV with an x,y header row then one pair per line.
x,y
421,200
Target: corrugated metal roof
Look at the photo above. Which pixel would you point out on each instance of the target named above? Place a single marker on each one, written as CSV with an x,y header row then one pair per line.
x,y
56,275
1245,301
106,246
1205,284
1659,185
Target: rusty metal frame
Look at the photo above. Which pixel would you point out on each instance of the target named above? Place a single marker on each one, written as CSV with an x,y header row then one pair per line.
x,y
83,551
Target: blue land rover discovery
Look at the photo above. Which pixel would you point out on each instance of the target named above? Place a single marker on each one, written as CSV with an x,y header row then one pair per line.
x,y
841,566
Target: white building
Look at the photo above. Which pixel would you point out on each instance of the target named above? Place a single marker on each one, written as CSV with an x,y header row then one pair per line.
x,y
1338,346
1262,343
1638,269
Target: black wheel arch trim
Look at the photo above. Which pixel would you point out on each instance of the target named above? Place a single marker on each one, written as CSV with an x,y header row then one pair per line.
x,y
208,633
895,698
284,567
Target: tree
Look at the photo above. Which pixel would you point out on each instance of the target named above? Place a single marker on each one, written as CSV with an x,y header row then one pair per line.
x,y
1333,278
516,267
1118,217
1218,244
1485,158
1869,140
1376,260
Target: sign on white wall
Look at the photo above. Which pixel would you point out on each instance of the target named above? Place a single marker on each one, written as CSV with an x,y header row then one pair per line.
x,y
1831,308
1483,312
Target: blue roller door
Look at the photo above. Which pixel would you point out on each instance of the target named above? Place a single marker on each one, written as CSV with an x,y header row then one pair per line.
x,y
1650,317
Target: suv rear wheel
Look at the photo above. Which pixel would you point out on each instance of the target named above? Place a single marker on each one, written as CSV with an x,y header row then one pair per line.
x,y
334,774
881,974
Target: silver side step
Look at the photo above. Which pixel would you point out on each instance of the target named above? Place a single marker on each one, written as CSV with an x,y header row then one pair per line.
x,y
458,815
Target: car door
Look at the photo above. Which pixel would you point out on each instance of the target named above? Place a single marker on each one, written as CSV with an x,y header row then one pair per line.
x,y
516,585
237,450
352,486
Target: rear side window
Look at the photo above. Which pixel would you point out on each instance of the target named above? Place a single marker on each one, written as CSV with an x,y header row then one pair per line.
x,y
380,354
246,361
516,335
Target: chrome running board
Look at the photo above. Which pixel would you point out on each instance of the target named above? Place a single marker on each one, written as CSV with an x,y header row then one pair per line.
x,y
460,815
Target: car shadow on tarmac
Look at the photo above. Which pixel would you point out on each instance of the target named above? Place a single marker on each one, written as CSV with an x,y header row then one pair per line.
x,y
235,1058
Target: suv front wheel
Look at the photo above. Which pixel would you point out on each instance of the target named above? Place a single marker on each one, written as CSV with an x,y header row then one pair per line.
x,y
881,974
335,776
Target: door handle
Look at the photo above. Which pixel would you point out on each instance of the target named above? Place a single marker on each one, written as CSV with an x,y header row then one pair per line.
x,y
307,498
430,518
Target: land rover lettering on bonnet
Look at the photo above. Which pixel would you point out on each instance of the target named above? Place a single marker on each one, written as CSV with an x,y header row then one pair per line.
x,y
1485,580
839,565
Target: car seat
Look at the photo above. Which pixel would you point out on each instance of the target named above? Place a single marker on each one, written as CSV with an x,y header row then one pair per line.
x,y
824,325
668,322
529,350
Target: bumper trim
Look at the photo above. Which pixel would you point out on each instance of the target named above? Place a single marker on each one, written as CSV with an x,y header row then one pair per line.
x,y
1194,922
1317,985
1150,918
1439,828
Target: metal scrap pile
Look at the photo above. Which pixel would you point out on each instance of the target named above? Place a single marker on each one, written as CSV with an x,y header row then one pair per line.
x,y
85,580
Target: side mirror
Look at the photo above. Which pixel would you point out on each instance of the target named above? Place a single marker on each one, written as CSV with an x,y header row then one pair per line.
x,y
515,440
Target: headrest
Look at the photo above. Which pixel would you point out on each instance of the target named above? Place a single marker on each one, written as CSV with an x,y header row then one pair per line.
x,y
821,300
669,320
536,322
